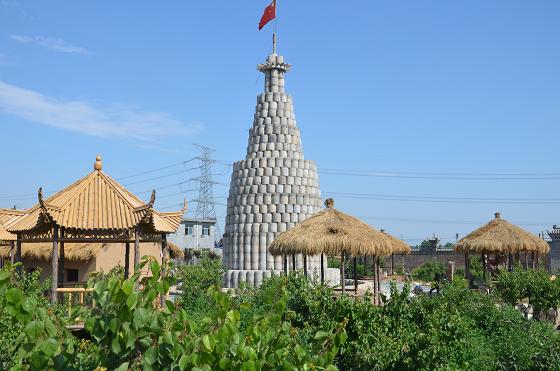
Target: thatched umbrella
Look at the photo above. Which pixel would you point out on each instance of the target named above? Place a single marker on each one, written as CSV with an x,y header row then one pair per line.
x,y
500,237
331,232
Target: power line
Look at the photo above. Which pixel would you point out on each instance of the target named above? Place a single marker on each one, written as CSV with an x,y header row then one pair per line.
x,y
441,221
156,169
475,200
442,176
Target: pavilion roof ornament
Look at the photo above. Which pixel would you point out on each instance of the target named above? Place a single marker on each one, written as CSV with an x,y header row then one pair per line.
x,y
98,165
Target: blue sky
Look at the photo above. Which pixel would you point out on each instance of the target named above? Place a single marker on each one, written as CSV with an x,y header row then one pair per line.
x,y
429,102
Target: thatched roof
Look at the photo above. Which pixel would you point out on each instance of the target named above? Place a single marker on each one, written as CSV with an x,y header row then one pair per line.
x,y
397,246
72,251
500,236
331,232
97,202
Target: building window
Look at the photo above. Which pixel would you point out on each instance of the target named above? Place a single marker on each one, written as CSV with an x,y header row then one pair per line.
x,y
72,275
189,230
206,230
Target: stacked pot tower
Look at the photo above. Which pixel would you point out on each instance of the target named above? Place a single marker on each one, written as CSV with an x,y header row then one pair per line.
x,y
272,189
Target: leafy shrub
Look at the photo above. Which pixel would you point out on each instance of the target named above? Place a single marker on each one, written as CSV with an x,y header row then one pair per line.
x,y
32,287
542,291
195,280
427,272
131,333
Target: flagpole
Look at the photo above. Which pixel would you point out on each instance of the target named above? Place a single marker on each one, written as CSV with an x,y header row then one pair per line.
x,y
274,31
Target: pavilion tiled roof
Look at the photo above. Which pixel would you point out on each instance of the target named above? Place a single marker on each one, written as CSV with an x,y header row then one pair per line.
x,y
6,236
9,216
97,202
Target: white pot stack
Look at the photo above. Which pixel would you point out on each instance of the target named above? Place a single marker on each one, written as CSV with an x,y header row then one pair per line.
x,y
272,189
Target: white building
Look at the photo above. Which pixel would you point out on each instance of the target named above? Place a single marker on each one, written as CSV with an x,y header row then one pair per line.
x,y
196,234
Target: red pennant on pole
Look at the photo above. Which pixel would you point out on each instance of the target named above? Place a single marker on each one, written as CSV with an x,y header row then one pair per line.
x,y
268,15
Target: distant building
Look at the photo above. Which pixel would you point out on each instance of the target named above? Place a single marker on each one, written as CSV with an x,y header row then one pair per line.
x,y
554,254
196,234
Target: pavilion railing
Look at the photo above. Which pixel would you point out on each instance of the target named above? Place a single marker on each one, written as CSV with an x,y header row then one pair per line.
x,y
75,294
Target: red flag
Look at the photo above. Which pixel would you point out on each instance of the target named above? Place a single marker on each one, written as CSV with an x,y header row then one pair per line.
x,y
268,15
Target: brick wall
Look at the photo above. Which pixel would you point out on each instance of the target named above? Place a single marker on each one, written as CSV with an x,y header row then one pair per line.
x,y
417,258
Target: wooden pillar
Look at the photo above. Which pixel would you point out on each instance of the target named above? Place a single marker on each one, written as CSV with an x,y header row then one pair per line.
x,y
510,262
392,264
378,276
164,261
322,269
294,262
127,260
375,293
526,261
285,264
537,259
305,265
61,261
355,277
467,268
342,273
17,257
483,260
12,252
136,247
54,265
533,260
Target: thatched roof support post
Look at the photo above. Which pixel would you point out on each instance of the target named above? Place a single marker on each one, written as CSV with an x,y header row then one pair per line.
x,y
483,261
305,265
374,268
467,267
127,260
526,261
61,260
378,276
136,247
537,258
322,269
510,262
293,262
533,260
392,264
54,265
285,264
355,277
342,273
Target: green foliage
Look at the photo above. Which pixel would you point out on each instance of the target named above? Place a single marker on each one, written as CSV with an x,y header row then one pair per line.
x,y
427,272
31,287
42,340
131,333
195,280
542,291
333,263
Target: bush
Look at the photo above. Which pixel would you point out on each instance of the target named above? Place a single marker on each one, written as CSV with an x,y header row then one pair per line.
x,y
427,272
31,287
194,282
537,286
